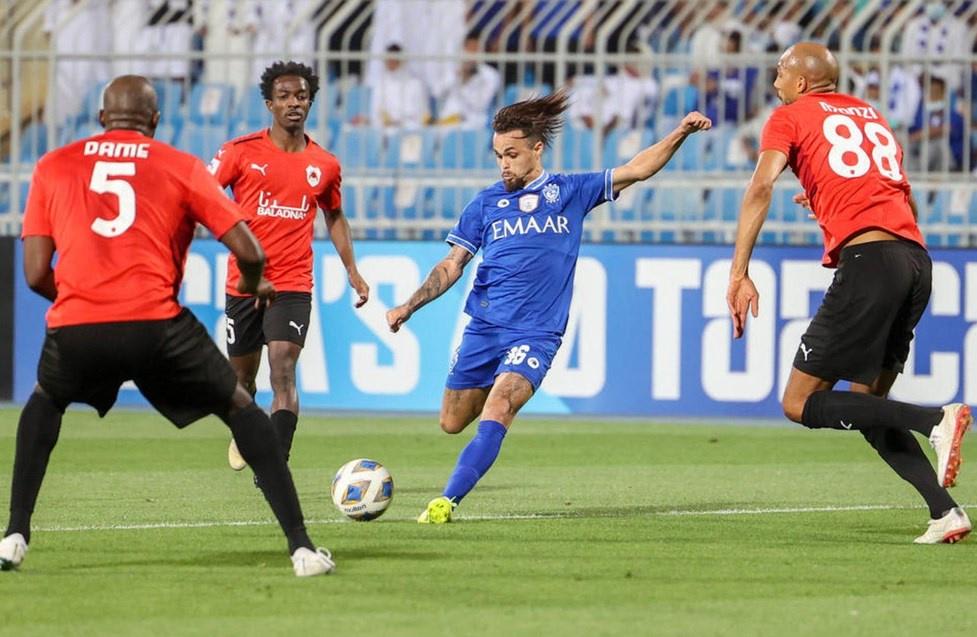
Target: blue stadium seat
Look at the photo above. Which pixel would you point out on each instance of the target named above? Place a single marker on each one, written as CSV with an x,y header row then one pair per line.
x,y
680,100
411,149
211,104
33,142
91,104
359,146
251,109
678,203
518,92
449,201
4,198
202,140
355,102
402,201
351,201
578,149
170,99
467,149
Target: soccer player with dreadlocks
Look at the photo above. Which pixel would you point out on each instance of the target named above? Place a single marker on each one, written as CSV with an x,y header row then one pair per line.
x,y
280,177
528,226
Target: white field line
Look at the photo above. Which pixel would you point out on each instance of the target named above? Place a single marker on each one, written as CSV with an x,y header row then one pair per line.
x,y
514,516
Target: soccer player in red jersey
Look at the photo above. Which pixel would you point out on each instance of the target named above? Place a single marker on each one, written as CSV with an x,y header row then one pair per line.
x,y
850,166
280,177
120,210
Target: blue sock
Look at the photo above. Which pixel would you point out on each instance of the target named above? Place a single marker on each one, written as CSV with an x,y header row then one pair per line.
x,y
475,459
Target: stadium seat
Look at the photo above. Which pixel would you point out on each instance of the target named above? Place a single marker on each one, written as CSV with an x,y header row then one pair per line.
x,y
467,149
202,140
170,98
355,102
33,142
90,105
448,202
251,109
578,149
411,149
518,92
678,203
359,147
211,104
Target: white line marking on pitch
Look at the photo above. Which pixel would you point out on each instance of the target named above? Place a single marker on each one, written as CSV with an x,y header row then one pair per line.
x,y
484,518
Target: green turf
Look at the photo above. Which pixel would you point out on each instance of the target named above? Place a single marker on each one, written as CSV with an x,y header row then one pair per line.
x,y
599,540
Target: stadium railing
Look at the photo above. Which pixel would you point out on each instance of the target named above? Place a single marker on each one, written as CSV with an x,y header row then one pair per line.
x,y
412,182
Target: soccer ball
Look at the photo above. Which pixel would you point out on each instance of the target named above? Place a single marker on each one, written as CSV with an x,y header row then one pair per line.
x,y
362,489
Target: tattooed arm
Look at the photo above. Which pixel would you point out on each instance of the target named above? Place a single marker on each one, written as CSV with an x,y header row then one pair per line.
x,y
442,277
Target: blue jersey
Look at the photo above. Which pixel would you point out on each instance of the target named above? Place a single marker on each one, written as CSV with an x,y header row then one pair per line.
x,y
529,239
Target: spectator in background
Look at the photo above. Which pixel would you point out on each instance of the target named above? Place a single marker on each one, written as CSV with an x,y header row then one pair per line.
x,y
729,92
936,135
170,33
933,36
469,100
398,100
430,32
76,28
625,100
226,27
283,30
131,41
707,39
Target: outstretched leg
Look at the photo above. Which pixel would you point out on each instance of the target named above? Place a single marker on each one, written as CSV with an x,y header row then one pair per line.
x,y
509,393
37,434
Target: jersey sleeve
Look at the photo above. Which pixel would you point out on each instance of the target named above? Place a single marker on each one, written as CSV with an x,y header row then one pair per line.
x,y
467,233
37,218
332,197
592,189
224,165
779,133
207,202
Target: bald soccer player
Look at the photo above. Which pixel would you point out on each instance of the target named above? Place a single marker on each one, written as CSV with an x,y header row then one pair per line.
x,y
120,209
850,165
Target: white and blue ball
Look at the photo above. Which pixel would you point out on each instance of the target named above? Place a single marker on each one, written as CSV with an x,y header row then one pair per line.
x,y
362,489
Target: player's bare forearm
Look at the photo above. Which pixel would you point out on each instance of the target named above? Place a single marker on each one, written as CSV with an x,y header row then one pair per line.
x,y
652,159
753,212
38,253
439,280
341,238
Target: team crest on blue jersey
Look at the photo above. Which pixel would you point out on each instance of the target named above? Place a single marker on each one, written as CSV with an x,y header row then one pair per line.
x,y
503,203
313,174
528,203
551,193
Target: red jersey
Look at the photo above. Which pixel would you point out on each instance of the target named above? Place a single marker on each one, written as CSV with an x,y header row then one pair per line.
x,y
849,163
279,193
121,208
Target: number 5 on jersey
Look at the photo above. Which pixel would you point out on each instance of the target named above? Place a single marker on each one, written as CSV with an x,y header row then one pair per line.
x,y
884,148
122,189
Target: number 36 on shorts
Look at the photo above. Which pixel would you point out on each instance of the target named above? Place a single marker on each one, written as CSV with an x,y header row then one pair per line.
x,y
518,355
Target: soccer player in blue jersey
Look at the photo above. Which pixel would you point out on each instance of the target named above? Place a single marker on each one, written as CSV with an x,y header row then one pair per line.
x,y
528,227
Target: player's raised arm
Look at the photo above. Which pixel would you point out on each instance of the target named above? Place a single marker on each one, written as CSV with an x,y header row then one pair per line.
x,y
742,295
442,277
341,239
652,159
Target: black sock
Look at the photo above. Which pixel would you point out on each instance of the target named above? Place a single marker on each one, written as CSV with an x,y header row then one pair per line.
x,y
256,441
284,422
37,434
850,410
901,451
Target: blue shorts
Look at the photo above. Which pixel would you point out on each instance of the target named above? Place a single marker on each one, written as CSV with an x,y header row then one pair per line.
x,y
488,350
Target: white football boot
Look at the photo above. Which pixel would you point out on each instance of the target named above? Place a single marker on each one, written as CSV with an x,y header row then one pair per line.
x,y
307,562
951,528
234,457
13,549
946,438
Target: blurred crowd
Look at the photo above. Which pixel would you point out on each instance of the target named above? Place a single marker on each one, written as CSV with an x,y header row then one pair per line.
x,y
452,62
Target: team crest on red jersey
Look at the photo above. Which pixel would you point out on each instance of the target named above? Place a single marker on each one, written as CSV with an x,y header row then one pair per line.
x,y
313,174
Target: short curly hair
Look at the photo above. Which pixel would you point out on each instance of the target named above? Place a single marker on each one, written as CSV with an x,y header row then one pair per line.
x,y
281,69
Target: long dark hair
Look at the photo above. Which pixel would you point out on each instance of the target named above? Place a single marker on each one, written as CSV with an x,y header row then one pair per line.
x,y
539,118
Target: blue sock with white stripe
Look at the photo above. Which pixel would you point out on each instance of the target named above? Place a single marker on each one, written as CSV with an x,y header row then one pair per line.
x,y
475,459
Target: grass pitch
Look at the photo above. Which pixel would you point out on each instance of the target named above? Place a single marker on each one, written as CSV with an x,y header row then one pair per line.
x,y
581,528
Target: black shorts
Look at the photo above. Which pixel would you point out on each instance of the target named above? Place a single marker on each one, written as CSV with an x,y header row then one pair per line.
x,y
174,363
865,323
286,319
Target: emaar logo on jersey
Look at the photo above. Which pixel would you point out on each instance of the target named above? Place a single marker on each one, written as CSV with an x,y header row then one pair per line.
x,y
530,225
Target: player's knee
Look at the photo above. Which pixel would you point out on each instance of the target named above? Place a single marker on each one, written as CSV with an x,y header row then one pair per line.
x,y
793,408
283,379
452,425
